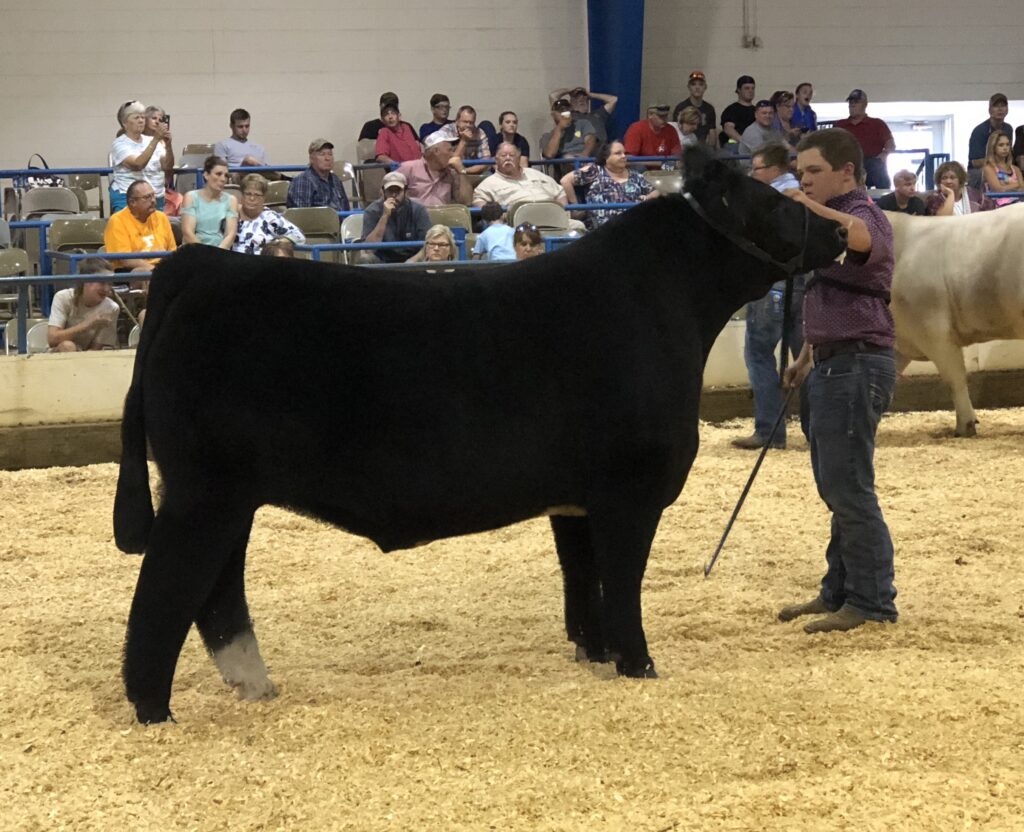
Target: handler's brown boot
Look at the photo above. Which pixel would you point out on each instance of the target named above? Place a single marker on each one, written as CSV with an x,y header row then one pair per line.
x,y
846,618
815,607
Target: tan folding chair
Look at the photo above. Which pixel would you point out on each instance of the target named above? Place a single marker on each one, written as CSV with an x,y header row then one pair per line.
x,y
13,262
320,225
546,214
38,201
277,195
83,184
351,230
66,234
454,216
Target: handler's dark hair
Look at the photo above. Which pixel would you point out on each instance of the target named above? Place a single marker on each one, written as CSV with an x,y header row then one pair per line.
x,y
773,155
838,147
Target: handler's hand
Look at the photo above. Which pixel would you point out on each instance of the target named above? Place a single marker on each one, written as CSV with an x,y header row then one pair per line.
x,y
795,194
796,373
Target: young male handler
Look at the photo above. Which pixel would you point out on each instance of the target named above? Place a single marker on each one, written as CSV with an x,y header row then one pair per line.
x,y
849,338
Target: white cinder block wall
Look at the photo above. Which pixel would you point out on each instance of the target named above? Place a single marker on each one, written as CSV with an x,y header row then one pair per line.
x,y
303,68
895,50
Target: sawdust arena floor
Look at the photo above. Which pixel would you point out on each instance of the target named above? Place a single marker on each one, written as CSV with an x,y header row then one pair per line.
x,y
433,689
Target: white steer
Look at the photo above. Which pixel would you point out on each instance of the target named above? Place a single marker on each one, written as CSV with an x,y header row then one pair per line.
x,y
958,281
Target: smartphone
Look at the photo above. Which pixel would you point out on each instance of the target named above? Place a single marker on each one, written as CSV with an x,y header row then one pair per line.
x,y
166,119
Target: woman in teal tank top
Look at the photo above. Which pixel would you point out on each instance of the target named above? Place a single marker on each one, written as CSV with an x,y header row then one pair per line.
x,y
209,215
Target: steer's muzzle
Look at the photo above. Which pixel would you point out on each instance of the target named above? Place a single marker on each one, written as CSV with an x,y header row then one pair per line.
x,y
842,234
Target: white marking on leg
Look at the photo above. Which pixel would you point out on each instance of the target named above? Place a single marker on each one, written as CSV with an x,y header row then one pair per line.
x,y
242,667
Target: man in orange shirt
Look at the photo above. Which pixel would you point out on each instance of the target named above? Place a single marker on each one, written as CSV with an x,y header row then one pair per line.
x,y
137,228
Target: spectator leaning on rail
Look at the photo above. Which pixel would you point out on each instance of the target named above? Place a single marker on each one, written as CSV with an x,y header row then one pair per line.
x,y
396,140
209,215
236,148
608,179
317,185
138,227
904,196
652,136
849,334
766,319
471,141
739,115
998,107
761,131
804,116
698,85
569,137
873,136
393,218
438,246
257,224
580,103
440,106
161,165
953,195
687,126
132,152
85,317
513,183
1000,173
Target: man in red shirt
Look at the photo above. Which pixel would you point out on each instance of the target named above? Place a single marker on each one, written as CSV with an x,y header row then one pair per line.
x,y
396,141
872,135
652,136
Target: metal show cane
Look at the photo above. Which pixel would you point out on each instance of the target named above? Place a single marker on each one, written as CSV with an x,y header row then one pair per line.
x,y
783,362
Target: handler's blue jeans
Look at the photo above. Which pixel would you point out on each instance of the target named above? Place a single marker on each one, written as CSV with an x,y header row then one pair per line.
x,y
848,395
764,331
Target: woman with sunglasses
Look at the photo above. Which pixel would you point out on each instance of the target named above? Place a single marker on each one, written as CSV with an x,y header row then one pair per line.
x,y
527,242
133,154
257,224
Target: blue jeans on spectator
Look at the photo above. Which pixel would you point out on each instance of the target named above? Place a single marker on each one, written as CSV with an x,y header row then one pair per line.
x,y
877,175
848,395
764,331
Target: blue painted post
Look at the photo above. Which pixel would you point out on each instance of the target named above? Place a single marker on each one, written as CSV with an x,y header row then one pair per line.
x,y
616,44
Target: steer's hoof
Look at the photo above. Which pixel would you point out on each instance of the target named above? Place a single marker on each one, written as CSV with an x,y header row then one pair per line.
x,y
587,654
153,714
970,429
642,669
261,689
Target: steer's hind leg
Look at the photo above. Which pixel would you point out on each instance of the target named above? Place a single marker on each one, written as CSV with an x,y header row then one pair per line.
x,y
224,624
582,587
622,538
949,360
187,550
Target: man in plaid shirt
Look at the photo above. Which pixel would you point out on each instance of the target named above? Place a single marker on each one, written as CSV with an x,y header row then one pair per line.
x,y
317,185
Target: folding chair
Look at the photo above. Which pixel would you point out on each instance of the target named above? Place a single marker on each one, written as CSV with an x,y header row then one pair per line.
x,y
320,225
546,215
13,261
37,338
454,216
277,195
75,232
351,230
38,201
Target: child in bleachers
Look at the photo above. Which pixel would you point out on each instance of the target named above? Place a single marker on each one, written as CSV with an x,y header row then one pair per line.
x,y
495,242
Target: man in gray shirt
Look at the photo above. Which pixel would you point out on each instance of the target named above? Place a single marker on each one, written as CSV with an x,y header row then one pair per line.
x,y
760,132
237,149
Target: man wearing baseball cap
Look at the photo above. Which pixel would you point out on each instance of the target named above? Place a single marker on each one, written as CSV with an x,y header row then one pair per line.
x,y
652,136
317,185
998,106
739,115
393,218
698,85
872,135
437,178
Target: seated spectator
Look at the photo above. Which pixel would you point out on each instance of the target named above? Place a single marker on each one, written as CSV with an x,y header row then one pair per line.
x,y
511,182
784,103
495,241
237,149
904,198
1001,174
739,115
581,101
278,247
687,125
161,166
391,219
396,141
471,140
569,137
372,127
317,185
132,152
440,106
138,227
953,196
527,241
85,317
209,215
761,131
438,246
257,224
998,107
698,85
804,116
508,131
436,179
652,136
608,179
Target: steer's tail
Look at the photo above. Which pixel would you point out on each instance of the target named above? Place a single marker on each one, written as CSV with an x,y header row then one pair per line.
x,y
133,504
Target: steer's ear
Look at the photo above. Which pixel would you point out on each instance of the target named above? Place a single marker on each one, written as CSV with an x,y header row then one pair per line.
x,y
699,164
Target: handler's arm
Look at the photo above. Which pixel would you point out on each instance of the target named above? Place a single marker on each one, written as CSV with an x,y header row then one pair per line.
x,y
858,236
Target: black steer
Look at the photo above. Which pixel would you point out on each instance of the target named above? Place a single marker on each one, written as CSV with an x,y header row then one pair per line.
x,y
406,407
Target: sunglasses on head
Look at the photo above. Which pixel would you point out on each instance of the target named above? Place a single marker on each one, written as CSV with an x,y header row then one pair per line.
x,y
526,226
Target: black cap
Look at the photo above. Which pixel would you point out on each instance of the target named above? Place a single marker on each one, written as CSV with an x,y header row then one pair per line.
x,y
744,79
857,95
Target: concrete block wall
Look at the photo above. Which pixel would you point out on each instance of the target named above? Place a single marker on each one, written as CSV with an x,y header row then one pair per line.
x,y
303,69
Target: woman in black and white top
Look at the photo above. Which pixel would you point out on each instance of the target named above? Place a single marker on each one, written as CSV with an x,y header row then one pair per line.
x,y
257,224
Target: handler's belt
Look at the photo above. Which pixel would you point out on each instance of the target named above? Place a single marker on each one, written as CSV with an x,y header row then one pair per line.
x,y
823,352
